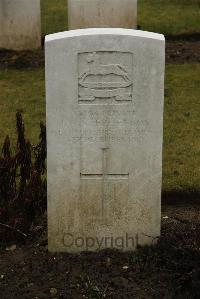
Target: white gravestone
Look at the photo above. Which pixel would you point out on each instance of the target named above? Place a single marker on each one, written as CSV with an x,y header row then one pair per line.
x,y
104,92
102,13
20,24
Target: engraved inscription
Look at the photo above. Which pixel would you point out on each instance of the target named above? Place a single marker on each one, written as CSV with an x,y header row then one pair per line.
x,y
105,77
123,126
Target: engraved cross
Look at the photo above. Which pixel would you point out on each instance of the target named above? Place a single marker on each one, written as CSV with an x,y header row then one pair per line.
x,y
106,177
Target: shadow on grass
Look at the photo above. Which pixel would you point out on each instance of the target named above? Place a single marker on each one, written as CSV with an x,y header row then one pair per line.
x,y
183,37
183,197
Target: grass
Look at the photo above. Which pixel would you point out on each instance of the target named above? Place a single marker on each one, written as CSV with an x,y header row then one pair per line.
x,y
169,16
182,128
24,90
164,16
54,16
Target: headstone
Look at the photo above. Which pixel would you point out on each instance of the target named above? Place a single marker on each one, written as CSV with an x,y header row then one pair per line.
x,y
104,138
102,13
20,25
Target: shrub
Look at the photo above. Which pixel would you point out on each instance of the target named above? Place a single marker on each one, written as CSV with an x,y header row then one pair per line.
x,y
22,182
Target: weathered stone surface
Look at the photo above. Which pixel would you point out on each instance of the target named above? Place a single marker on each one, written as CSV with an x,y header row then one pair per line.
x,y
20,25
102,13
104,138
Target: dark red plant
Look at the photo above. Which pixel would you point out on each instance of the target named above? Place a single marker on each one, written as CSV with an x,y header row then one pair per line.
x,y
22,182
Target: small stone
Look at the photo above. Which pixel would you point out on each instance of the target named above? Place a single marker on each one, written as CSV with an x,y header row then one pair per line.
x,y
108,262
11,248
53,291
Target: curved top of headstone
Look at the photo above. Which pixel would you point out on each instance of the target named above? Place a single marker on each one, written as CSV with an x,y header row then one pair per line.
x,y
104,31
105,97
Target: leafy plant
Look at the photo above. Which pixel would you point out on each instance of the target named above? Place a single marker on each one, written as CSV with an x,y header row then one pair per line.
x,y
22,182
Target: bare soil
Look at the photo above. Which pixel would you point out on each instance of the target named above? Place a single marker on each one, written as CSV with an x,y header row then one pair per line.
x,y
182,52
170,269
177,52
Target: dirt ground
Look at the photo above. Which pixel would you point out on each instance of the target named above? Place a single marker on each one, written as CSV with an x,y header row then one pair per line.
x,y
170,269
177,51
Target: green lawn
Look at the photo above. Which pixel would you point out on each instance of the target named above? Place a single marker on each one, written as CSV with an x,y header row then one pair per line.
x,y
169,16
24,90
181,158
164,16
54,16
